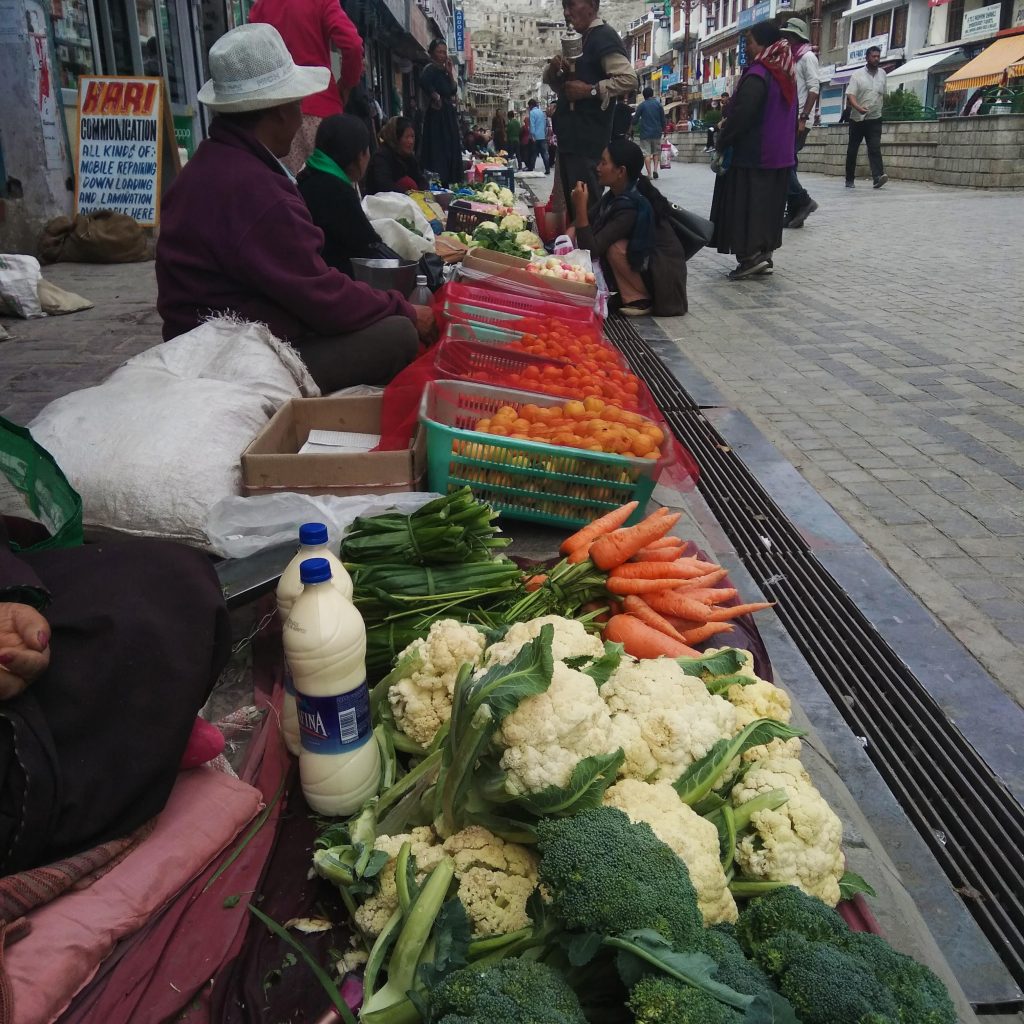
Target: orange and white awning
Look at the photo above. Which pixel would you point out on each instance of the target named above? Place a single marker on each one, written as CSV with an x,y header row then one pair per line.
x,y
990,67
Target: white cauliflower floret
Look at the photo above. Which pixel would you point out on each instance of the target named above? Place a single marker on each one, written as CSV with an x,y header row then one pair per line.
x,y
372,916
570,640
506,197
422,700
512,222
550,732
529,240
692,837
662,718
799,843
487,225
496,878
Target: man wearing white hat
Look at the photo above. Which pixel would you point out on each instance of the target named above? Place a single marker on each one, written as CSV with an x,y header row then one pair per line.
x,y
235,234
799,205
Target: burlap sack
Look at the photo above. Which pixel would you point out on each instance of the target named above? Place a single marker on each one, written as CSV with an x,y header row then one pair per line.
x,y
101,237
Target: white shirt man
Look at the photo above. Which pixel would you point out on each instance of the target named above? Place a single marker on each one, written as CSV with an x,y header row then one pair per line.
x,y
799,204
865,95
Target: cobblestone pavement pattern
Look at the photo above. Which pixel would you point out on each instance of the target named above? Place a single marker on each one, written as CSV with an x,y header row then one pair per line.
x,y
884,358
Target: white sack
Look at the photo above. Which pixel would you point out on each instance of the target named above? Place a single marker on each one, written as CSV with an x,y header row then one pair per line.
x,y
155,446
55,301
384,209
19,286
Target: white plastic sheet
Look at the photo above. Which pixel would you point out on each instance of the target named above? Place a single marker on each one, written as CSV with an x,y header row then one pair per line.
x,y
19,286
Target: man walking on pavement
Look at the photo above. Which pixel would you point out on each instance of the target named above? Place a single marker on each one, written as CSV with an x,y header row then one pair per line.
x,y
805,66
650,115
539,134
864,95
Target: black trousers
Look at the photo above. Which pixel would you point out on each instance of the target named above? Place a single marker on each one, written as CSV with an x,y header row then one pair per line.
x,y
870,131
371,356
575,167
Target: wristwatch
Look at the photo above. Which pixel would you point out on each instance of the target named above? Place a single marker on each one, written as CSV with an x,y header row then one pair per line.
x,y
593,90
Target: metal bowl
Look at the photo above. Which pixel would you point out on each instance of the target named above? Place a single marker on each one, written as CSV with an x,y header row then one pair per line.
x,y
386,274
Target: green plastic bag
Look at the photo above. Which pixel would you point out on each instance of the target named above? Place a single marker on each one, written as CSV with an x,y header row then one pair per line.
x,y
32,470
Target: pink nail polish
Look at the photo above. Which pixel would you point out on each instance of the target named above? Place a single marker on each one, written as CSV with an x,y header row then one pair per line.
x,y
44,639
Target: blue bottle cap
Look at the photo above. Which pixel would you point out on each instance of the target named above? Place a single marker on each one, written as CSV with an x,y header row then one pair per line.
x,y
312,533
314,570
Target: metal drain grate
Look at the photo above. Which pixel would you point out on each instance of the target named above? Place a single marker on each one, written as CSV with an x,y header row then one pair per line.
x,y
973,825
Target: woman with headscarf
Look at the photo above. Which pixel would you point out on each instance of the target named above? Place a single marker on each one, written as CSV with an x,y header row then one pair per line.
x,y
757,141
440,151
329,185
394,167
630,232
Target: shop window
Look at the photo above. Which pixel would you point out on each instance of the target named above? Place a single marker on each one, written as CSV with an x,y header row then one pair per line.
x,y
861,30
898,34
954,20
833,31
881,24
72,36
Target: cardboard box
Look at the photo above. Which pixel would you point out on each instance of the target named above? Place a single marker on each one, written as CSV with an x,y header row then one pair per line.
x,y
271,463
512,268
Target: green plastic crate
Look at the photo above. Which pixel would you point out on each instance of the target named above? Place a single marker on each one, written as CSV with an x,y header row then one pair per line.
x,y
529,480
481,332
478,313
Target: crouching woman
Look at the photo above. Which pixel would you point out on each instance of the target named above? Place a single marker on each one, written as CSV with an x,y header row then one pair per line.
x,y
629,230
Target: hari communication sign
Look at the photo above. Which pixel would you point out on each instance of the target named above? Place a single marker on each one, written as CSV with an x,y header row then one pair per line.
x,y
120,139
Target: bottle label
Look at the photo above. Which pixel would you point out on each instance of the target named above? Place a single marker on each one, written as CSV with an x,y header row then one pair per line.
x,y
335,725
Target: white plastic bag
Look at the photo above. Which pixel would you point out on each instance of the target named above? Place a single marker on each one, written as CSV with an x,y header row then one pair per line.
x,y
238,527
408,244
19,286
384,211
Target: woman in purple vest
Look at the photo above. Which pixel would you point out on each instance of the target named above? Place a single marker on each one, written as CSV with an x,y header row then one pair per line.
x,y
757,144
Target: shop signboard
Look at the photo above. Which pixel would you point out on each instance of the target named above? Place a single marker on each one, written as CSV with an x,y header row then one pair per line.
x,y
126,139
856,52
709,90
984,21
669,79
761,11
460,31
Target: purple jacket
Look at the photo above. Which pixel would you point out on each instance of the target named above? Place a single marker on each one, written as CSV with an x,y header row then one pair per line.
x,y
760,125
235,235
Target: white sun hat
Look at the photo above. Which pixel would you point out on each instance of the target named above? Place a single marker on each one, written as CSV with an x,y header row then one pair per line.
x,y
251,69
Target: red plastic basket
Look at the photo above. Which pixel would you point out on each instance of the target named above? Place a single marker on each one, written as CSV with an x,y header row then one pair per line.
x,y
509,302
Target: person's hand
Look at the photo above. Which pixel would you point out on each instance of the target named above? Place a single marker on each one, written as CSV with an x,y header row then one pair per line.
x,y
558,66
581,196
426,325
577,90
435,100
24,647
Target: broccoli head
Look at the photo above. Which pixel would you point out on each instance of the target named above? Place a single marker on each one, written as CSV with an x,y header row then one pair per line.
x,y
509,990
734,969
787,909
921,998
659,999
608,875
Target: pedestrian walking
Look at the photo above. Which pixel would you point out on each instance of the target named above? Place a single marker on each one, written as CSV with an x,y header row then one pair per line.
x,y
539,134
527,152
585,90
865,95
799,204
650,118
512,136
499,133
309,29
757,142
440,148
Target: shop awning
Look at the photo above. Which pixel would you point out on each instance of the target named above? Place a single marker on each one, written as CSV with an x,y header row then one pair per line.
x,y
672,106
918,67
989,67
844,73
1016,70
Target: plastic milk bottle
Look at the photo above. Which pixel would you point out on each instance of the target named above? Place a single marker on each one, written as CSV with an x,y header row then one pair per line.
x,y
325,645
313,542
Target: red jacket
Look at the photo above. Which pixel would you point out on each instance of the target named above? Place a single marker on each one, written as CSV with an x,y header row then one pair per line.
x,y
308,28
235,235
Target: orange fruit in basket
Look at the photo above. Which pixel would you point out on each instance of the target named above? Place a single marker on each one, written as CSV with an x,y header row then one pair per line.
x,y
499,429
521,425
643,445
593,404
653,431
575,410
483,425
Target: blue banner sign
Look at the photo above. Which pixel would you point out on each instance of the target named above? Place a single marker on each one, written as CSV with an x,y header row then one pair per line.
x,y
460,31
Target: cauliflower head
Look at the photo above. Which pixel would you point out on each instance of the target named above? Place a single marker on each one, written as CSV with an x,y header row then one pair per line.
x,y
512,222
692,837
550,732
662,718
487,225
506,196
800,843
571,640
529,240
495,878
422,699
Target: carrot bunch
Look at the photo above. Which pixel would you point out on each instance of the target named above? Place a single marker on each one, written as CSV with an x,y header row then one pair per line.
x,y
668,601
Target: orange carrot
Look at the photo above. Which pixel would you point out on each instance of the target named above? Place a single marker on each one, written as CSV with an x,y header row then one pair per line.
x,y
674,602
645,613
677,570
615,548
598,528
594,606
667,542
701,582
623,585
641,641
712,595
662,554
701,633
724,614
535,582
578,555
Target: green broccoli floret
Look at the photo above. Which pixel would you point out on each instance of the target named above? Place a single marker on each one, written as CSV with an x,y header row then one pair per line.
x,y
734,969
787,909
658,999
921,998
827,986
510,990
608,875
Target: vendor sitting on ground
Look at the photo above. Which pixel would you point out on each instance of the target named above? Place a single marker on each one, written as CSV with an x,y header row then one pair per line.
x,y
235,234
394,167
107,652
328,183
629,231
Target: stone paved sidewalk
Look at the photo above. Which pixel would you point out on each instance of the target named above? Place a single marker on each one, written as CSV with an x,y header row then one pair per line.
x,y
885,359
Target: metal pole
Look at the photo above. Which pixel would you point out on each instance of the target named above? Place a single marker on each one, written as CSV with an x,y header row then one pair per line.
x,y
816,25
686,61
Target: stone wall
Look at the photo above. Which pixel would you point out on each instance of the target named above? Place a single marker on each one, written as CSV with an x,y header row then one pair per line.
x,y
981,152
